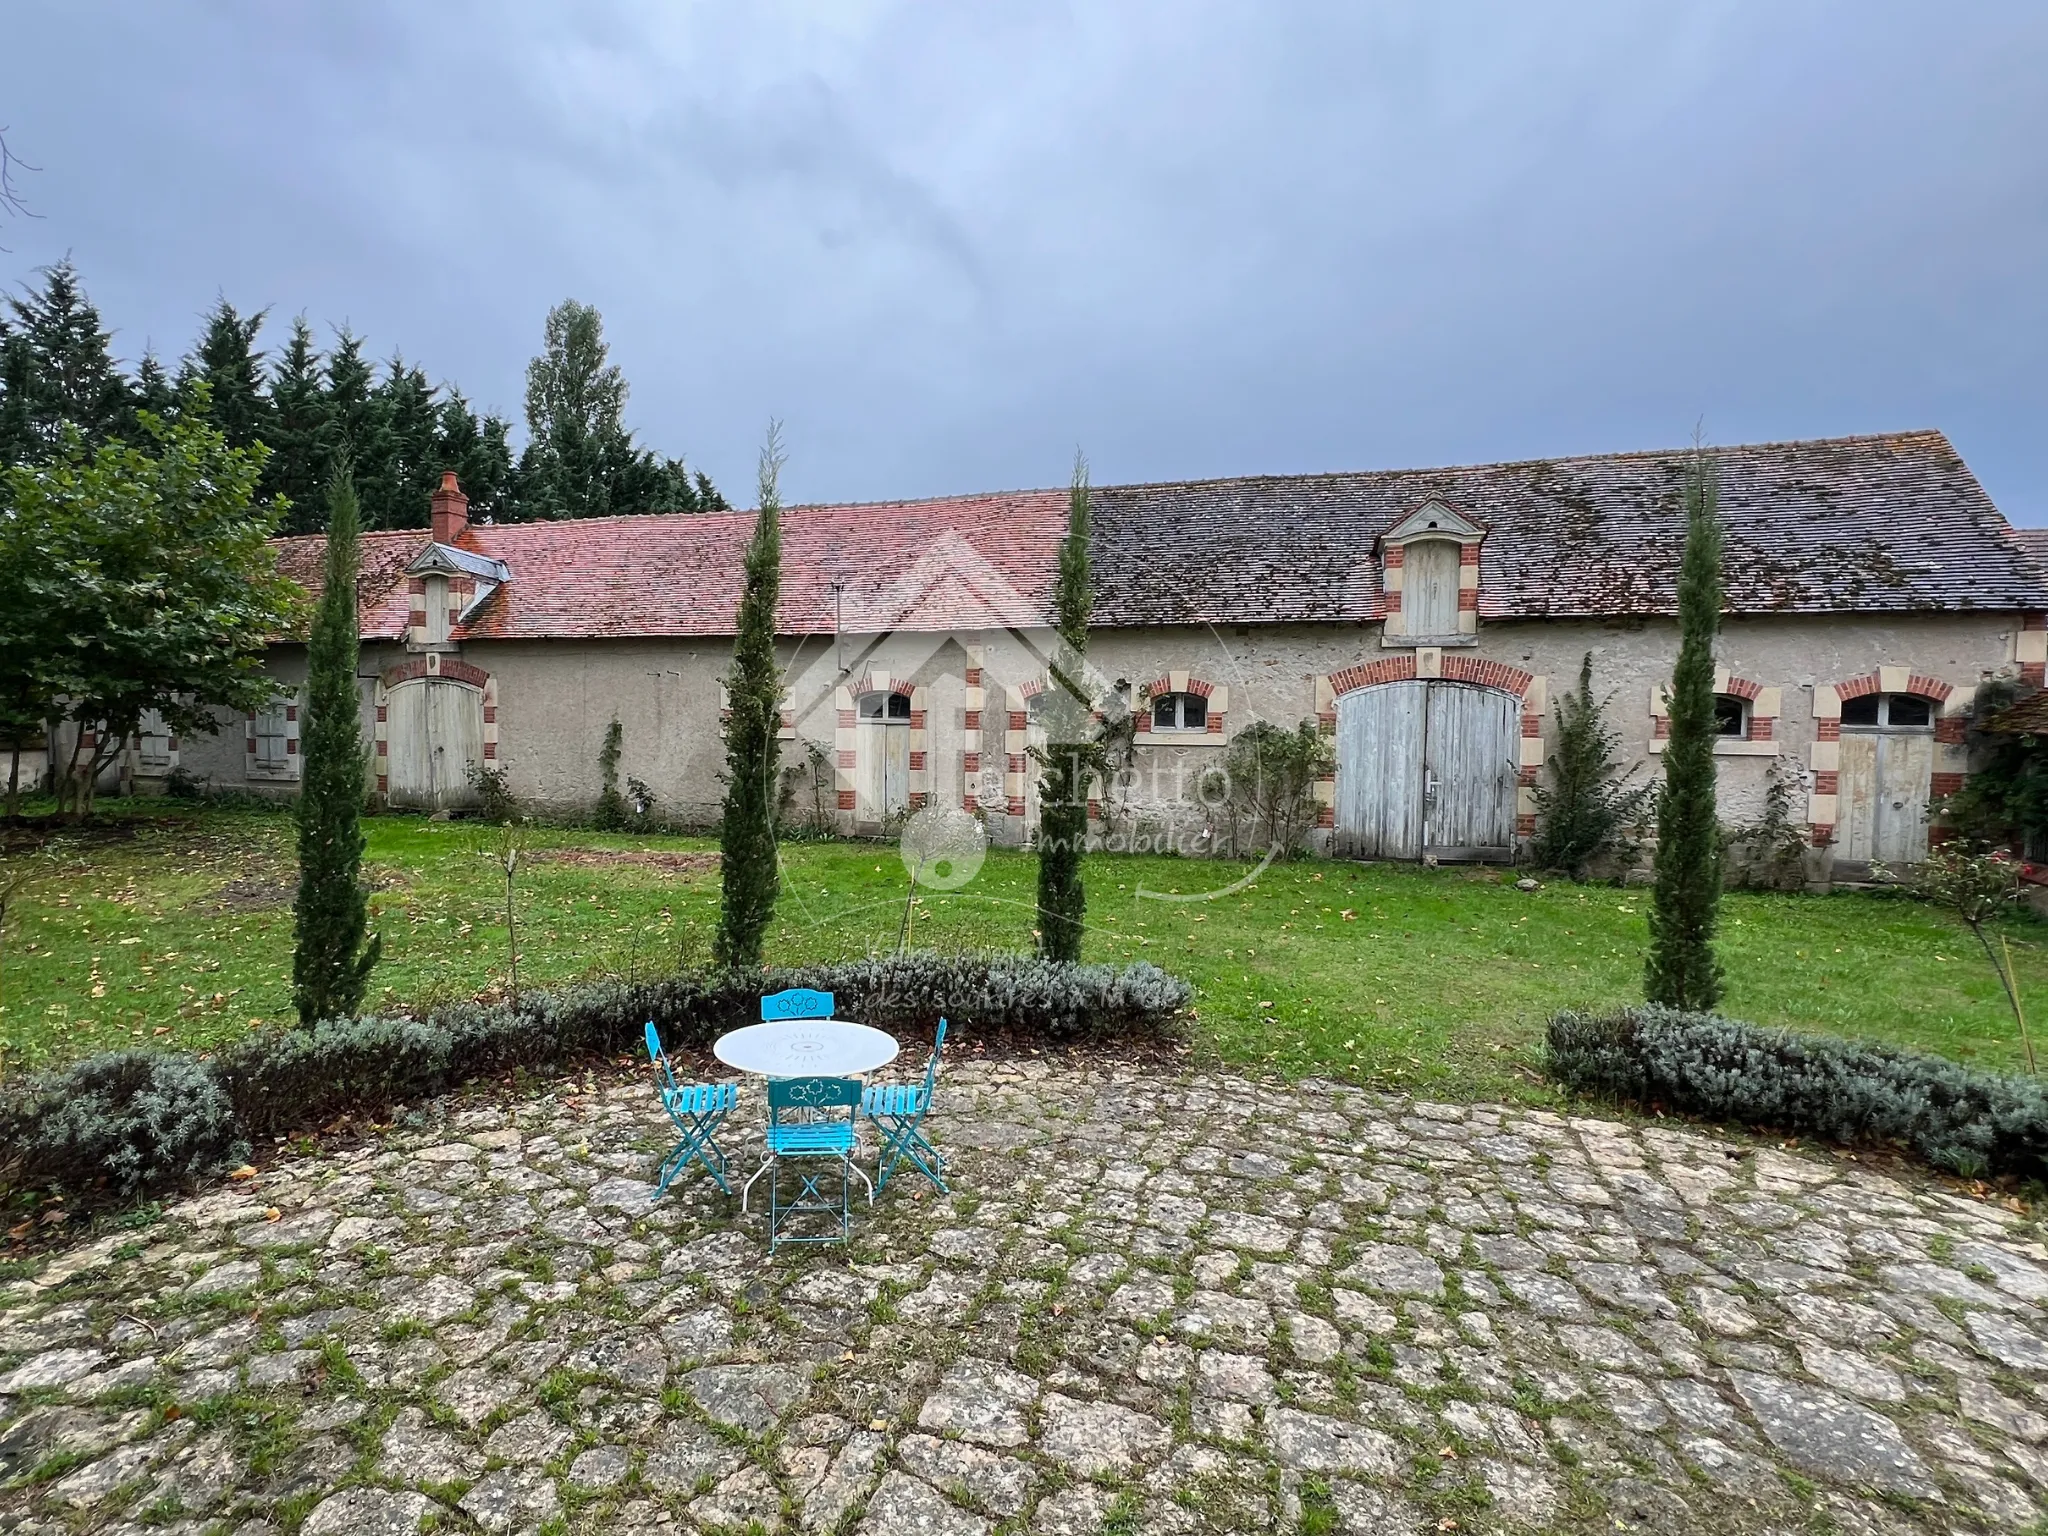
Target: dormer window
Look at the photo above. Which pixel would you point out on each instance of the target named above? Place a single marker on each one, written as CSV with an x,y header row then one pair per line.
x,y
1429,564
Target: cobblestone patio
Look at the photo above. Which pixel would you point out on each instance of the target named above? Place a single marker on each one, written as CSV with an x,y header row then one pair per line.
x,y
1154,1303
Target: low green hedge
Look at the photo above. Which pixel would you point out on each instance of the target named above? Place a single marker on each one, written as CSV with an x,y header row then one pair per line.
x,y
131,1122
1972,1123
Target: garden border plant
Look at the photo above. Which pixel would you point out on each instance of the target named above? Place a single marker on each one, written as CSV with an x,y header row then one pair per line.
x,y
1977,1124
127,1123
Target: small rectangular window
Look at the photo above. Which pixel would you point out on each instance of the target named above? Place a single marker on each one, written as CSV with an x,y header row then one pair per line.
x,y
885,706
1180,712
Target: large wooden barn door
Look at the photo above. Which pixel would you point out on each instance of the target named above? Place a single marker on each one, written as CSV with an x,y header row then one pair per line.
x,y
435,736
1426,768
1469,772
1379,771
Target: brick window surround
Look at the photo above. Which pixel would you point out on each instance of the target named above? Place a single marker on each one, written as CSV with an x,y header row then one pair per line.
x,y
846,735
1430,662
1765,710
1951,756
1217,696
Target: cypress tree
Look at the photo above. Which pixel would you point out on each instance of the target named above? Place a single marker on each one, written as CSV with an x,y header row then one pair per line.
x,y
335,951
301,431
1063,789
1681,971
749,877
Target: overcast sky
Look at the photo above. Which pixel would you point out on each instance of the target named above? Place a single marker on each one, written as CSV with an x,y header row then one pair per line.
x,y
945,243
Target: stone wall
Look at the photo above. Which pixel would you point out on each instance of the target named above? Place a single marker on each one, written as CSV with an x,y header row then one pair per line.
x,y
973,721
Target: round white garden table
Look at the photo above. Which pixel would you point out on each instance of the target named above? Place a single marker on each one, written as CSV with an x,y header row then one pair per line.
x,y
806,1048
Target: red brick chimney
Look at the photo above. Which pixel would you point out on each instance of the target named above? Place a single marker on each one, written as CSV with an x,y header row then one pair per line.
x,y
451,510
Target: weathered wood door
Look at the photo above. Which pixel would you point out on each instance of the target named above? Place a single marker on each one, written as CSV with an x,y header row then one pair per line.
x,y
884,781
1379,771
434,735
1429,587
1426,768
1884,789
1469,772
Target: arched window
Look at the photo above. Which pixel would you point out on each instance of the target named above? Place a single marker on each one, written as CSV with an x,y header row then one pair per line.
x,y
1731,715
1180,712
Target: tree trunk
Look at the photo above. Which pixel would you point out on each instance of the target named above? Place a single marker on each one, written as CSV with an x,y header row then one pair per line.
x,y
67,787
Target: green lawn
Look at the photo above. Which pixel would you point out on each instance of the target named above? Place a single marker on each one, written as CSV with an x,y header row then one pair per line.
x,y
1438,980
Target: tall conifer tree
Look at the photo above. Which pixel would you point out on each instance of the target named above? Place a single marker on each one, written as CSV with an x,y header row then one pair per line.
x,y
1069,716
479,450
1681,971
352,426
301,431
64,370
399,478
335,950
749,877
154,391
227,359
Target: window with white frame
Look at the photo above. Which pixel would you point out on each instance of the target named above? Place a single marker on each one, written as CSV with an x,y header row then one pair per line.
x,y
1889,711
1731,715
1180,712
885,706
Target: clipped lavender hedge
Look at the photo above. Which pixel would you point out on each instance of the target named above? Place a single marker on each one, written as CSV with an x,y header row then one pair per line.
x,y
1972,1123
131,1122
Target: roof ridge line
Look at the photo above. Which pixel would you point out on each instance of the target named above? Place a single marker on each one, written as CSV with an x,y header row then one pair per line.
x,y
1568,458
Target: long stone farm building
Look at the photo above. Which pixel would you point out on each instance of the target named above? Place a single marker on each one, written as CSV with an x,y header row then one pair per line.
x,y
1428,618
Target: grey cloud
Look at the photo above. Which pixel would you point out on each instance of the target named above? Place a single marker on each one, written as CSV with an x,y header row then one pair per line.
x,y
946,243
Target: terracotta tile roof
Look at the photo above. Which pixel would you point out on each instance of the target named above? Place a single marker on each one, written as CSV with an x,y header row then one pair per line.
x,y
380,588
1862,524
964,562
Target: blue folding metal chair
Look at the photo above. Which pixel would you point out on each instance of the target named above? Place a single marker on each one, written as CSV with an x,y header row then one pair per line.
x,y
811,1124
697,1110
898,1110
796,1003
